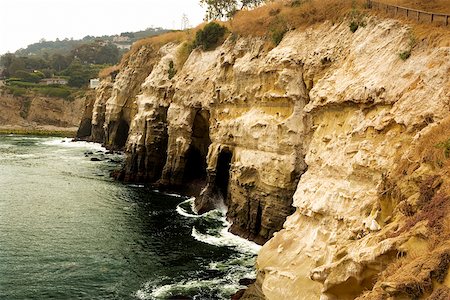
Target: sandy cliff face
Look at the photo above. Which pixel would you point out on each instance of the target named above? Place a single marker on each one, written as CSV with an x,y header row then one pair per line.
x,y
229,125
332,120
218,125
111,112
367,107
40,113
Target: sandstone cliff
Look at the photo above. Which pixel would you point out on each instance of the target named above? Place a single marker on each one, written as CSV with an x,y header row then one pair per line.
x,y
334,120
37,113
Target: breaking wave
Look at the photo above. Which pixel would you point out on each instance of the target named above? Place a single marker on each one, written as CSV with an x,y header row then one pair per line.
x,y
209,228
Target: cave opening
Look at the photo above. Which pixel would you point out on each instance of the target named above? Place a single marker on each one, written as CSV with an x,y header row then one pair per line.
x,y
223,172
122,133
195,168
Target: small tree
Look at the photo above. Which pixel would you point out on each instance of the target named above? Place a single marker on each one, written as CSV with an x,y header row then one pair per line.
x,y
225,9
209,36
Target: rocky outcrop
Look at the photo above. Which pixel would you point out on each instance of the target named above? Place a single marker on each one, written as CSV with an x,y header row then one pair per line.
x,y
366,110
229,126
38,113
115,103
212,126
326,118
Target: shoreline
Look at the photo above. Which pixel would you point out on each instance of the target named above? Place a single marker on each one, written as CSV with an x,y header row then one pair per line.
x,y
40,131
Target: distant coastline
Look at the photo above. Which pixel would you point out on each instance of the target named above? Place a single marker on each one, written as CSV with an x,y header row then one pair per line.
x,y
39,131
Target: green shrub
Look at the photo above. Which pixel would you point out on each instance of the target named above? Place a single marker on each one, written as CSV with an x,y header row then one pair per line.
x,y
55,92
358,19
210,36
446,147
23,84
353,26
405,55
28,77
172,71
277,29
17,91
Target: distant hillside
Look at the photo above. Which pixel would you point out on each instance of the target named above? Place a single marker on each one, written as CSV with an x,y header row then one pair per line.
x,y
65,46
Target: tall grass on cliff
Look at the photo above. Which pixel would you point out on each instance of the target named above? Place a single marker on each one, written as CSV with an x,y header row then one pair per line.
x,y
275,18
295,14
271,20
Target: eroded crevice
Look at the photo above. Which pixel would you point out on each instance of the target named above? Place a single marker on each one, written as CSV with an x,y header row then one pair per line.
x,y
121,134
194,175
216,191
223,173
145,164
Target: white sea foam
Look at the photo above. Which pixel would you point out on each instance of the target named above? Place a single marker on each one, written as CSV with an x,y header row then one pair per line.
x,y
180,210
67,142
227,239
173,195
224,238
136,185
185,287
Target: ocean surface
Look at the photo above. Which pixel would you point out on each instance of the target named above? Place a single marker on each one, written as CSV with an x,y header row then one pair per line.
x,y
68,231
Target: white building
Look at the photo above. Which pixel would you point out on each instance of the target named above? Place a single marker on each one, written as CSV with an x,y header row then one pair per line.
x,y
54,80
121,39
94,83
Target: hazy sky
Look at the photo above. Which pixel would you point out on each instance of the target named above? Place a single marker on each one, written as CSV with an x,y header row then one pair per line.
x,y
23,22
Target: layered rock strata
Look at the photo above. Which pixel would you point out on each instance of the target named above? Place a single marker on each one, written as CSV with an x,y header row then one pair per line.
x,y
366,109
325,118
38,113
230,123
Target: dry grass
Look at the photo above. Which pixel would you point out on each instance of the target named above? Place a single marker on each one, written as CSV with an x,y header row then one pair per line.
x,y
257,22
295,14
157,41
436,6
428,150
414,277
434,201
108,71
433,35
442,293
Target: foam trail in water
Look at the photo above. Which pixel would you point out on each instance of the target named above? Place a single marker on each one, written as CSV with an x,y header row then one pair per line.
x,y
227,239
184,212
224,238
184,287
67,142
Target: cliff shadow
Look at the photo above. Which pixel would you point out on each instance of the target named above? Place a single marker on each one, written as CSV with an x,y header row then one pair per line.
x,y
194,175
145,162
216,193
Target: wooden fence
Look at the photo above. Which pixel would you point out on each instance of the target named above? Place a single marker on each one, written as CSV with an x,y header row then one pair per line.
x,y
418,15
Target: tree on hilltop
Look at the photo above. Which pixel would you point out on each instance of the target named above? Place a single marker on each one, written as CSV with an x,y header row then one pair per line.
x,y
225,9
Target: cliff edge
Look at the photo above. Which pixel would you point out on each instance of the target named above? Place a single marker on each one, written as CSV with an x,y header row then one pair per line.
x,y
333,128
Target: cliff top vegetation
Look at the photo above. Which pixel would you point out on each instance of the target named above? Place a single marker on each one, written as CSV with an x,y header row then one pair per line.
x,y
273,19
437,6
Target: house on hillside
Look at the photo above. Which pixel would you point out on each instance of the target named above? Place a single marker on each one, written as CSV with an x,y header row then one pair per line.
x,y
123,46
121,39
54,80
94,83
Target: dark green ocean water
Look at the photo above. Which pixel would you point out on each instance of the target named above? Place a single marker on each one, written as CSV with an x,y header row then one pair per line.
x,y
68,231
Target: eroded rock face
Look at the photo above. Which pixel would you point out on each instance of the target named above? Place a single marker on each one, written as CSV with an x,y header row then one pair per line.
x,y
115,103
325,115
229,126
366,109
35,112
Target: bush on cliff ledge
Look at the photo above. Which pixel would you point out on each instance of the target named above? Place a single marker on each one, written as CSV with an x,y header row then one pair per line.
x,y
210,36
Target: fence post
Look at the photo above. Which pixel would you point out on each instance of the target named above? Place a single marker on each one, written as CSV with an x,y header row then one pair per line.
x,y
446,20
407,13
418,16
432,18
